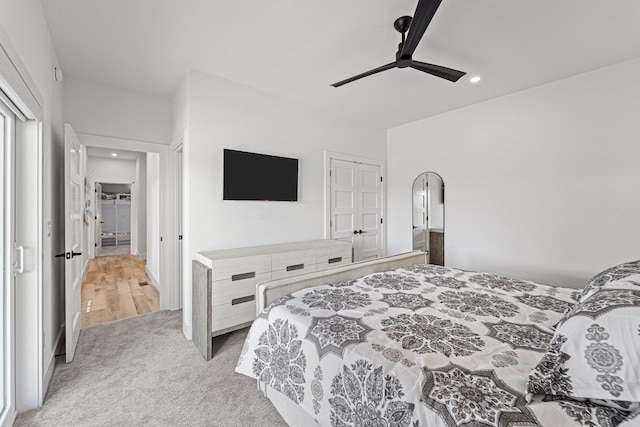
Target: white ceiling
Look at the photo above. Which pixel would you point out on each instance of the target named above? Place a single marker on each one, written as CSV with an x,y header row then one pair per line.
x,y
296,49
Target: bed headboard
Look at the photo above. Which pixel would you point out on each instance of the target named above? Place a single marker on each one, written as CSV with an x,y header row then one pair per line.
x,y
269,291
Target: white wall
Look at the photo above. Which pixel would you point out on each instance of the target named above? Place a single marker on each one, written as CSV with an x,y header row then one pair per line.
x,y
542,184
102,110
153,219
103,169
223,114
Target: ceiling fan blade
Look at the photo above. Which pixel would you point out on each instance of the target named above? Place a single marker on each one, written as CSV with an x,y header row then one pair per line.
x,y
438,70
421,19
365,74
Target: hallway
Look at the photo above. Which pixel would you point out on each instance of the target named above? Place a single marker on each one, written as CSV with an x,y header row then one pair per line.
x,y
116,287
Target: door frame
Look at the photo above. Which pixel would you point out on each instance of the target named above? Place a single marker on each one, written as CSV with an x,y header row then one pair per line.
x,y
8,410
92,222
334,155
172,224
20,88
166,287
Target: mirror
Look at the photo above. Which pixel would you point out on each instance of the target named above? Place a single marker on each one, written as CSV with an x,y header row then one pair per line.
x,y
428,216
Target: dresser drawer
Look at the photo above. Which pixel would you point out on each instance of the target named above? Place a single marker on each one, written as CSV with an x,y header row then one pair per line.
x,y
280,274
227,315
332,256
225,291
335,262
293,260
242,267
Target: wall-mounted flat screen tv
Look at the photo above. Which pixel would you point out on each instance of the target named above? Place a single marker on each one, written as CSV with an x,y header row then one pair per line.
x,y
253,176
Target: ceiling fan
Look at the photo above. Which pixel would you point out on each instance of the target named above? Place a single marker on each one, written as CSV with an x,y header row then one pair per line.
x,y
416,26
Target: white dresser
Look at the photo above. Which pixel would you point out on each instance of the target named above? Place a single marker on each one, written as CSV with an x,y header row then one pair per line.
x,y
224,281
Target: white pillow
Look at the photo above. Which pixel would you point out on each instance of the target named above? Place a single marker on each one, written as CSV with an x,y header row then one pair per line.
x,y
629,271
595,351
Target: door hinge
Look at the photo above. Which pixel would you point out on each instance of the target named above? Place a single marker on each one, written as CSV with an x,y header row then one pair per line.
x,y
329,172
381,221
161,239
95,217
380,179
95,244
179,236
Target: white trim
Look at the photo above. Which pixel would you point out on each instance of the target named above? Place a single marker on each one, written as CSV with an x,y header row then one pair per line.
x,y
178,145
12,107
92,221
16,82
57,346
91,140
29,308
8,411
152,277
171,225
334,155
187,326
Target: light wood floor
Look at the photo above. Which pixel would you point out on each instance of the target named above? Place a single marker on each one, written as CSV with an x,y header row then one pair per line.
x,y
116,287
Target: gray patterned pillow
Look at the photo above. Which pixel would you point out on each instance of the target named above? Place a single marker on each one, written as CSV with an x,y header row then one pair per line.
x,y
619,272
595,351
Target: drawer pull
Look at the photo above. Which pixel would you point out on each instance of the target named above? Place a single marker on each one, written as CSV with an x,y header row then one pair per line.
x,y
334,260
295,267
243,276
240,300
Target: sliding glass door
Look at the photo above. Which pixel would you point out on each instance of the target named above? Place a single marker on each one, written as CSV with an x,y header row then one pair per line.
x,y
7,209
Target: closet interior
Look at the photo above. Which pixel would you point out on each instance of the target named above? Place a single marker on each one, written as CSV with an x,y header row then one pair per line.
x,y
115,206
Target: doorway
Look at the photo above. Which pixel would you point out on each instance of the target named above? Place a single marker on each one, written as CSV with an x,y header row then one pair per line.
x,y
428,216
117,284
112,219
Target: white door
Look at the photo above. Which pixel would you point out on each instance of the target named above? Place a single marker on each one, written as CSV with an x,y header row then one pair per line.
x,y
98,217
9,268
344,196
420,217
356,207
74,210
369,212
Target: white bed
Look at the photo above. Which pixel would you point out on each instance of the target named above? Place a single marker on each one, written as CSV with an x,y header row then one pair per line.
x,y
395,342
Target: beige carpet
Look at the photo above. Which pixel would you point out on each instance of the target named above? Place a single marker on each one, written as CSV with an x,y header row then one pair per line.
x,y
142,371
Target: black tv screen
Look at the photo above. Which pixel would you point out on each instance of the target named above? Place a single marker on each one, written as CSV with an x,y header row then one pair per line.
x,y
253,176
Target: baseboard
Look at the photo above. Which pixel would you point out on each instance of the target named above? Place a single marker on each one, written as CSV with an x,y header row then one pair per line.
x,y
187,330
152,278
84,270
51,364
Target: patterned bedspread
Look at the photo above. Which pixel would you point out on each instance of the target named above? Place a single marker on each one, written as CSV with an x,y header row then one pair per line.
x,y
421,346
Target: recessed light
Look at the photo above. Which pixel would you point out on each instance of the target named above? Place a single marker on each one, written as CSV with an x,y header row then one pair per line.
x,y
114,154
475,79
